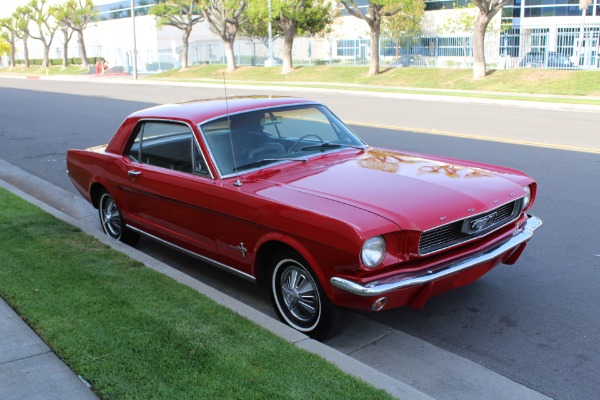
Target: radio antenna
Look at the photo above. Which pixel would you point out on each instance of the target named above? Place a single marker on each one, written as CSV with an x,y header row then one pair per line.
x,y
237,182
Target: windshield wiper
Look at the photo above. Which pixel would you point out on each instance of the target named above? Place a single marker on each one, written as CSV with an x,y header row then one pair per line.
x,y
266,161
327,145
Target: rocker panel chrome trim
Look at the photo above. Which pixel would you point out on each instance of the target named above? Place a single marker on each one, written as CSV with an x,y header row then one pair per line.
x,y
207,260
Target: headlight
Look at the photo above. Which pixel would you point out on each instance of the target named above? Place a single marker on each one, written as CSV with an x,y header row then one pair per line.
x,y
527,197
373,252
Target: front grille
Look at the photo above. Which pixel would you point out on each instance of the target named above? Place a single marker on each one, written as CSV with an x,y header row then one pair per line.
x,y
455,233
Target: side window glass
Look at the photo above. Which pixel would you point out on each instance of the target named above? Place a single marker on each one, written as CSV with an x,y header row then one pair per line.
x,y
200,166
168,145
134,150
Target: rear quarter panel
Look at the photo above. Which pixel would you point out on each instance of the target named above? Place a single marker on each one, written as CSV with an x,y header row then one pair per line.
x,y
87,167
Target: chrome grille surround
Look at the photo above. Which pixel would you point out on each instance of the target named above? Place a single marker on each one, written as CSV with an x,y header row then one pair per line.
x,y
453,233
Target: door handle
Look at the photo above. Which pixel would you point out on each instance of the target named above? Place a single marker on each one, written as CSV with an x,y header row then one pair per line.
x,y
134,173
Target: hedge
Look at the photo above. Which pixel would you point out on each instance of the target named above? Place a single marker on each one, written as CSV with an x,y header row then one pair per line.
x,y
59,61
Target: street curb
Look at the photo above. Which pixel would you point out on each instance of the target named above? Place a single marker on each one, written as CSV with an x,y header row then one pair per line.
x,y
343,362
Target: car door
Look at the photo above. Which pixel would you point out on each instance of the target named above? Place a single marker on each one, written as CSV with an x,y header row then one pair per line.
x,y
168,188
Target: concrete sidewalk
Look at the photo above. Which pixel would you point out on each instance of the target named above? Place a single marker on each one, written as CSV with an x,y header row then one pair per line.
x,y
28,368
30,371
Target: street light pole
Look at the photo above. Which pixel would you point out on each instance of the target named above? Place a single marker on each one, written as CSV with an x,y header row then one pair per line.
x,y
270,37
134,41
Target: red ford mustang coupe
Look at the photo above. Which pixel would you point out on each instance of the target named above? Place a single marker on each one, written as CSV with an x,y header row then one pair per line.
x,y
280,190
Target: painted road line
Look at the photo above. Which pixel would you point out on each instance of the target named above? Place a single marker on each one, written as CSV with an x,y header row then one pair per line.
x,y
477,137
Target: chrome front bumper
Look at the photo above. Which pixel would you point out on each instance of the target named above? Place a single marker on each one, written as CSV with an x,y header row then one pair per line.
x,y
403,281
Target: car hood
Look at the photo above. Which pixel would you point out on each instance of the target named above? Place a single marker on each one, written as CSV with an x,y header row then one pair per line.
x,y
413,191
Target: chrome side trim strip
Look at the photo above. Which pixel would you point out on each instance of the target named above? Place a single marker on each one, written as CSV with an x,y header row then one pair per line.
x,y
207,260
401,281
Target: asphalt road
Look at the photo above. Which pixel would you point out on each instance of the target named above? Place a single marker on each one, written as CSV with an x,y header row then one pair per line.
x,y
536,323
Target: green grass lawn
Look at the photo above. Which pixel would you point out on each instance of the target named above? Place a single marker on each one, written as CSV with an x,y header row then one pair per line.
x,y
514,81
136,334
511,84
52,70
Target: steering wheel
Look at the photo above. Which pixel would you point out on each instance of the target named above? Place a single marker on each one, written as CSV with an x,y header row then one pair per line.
x,y
300,139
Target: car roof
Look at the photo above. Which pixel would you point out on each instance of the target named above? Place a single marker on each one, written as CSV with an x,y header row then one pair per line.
x,y
199,111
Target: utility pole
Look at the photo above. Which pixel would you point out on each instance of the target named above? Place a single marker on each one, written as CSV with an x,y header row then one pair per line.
x,y
270,37
134,41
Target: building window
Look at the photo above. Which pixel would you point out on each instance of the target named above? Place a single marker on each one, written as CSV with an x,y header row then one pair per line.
x,y
539,39
356,48
554,8
122,9
445,4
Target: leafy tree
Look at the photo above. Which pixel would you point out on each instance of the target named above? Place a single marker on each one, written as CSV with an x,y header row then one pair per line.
x,y
461,22
256,24
299,17
38,12
60,13
487,10
291,18
10,33
376,11
5,46
181,14
78,15
405,22
22,30
224,18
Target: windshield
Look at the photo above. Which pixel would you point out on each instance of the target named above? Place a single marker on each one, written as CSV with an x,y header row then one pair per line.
x,y
256,139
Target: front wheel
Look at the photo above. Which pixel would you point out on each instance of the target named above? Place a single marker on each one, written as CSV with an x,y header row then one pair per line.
x,y
299,299
112,221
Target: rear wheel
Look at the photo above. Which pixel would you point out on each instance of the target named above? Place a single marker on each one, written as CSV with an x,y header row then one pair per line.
x,y
299,299
112,221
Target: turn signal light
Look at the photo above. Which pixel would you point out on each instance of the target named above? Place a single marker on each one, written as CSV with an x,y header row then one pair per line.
x,y
379,304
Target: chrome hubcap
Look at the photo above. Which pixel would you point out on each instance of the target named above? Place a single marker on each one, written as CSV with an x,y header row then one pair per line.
x,y
111,218
299,294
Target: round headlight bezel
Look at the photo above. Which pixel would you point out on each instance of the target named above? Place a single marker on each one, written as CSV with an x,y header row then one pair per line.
x,y
373,252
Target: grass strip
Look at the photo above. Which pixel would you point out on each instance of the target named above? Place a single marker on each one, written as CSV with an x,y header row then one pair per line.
x,y
136,334
523,81
524,84
51,70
